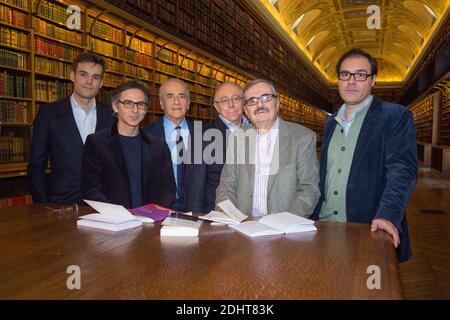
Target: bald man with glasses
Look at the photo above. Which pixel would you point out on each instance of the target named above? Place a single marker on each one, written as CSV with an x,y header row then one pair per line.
x,y
271,164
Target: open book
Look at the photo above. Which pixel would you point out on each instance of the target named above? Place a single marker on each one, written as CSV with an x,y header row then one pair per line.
x,y
109,217
230,214
277,223
183,226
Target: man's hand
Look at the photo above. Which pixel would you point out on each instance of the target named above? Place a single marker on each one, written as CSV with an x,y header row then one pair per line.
x,y
385,225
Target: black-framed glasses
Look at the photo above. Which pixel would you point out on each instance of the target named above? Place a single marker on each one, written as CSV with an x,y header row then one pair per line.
x,y
225,100
358,76
264,98
141,105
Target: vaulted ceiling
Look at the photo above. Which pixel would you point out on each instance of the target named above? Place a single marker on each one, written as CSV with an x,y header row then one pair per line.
x,y
324,29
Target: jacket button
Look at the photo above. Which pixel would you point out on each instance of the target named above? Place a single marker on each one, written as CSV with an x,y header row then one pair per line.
x,y
343,149
335,212
335,193
339,170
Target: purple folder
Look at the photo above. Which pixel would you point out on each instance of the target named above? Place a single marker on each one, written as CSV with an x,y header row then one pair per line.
x,y
150,211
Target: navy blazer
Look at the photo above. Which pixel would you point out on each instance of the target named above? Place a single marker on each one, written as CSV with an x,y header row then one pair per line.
x,y
214,170
55,134
383,171
105,175
194,181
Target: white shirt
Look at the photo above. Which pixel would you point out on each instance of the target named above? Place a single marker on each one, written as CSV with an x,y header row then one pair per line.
x,y
86,122
265,144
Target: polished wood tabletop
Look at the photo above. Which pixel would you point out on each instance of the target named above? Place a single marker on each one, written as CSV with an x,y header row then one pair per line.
x,y
37,245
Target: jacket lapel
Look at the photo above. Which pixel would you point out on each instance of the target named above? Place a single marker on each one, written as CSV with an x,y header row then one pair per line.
x,y
281,147
69,121
368,131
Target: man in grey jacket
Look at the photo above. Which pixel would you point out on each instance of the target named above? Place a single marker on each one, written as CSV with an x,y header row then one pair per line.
x,y
271,164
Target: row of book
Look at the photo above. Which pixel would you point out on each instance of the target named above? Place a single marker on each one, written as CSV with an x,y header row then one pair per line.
x,y
186,74
105,48
168,68
135,71
167,55
49,91
13,38
186,63
144,47
23,4
139,58
55,49
112,80
12,85
11,149
105,31
53,31
12,16
15,201
52,67
51,11
13,111
112,65
13,59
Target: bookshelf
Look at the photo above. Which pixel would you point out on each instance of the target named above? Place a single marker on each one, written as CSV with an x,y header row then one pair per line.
x,y
37,50
422,111
445,117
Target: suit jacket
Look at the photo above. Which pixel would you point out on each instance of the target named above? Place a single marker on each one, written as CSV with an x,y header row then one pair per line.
x,y
383,171
294,187
214,170
194,181
55,133
105,174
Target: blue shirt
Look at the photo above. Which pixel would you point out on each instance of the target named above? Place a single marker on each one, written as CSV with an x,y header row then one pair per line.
x,y
346,124
231,126
171,140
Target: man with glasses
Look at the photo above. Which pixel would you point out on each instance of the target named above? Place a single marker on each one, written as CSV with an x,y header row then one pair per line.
x,y
178,134
368,164
273,167
229,105
121,164
60,130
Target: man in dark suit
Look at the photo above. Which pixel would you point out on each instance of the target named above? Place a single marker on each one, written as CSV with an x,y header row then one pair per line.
x,y
228,103
187,158
60,130
368,163
121,164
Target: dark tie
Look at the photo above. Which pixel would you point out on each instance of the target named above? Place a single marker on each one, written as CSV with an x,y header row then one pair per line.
x,y
180,165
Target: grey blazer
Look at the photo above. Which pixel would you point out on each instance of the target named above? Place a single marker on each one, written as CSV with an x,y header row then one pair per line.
x,y
293,185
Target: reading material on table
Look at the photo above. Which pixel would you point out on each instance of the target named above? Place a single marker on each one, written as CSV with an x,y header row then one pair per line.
x,y
230,215
109,217
181,227
277,223
151,211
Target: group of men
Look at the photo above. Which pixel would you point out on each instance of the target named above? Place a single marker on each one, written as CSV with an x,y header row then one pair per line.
x,y
261,163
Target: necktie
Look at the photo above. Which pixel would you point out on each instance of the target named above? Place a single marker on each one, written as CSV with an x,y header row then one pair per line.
x,y
180,164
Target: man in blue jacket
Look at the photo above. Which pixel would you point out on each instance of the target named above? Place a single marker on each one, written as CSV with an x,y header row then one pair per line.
x,y
368,163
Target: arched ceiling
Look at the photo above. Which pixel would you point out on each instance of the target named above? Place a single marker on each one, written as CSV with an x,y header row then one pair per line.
x,y
325,29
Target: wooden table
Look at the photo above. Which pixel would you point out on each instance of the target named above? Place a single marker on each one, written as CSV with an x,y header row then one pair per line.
x,y
37,246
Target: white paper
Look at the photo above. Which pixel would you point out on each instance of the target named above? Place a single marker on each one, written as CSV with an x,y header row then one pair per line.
x,y
220,217
229,208
110,209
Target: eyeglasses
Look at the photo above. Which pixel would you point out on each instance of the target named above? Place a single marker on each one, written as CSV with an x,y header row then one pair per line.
x,y
225,101
69,209
264,98
358,76
141,105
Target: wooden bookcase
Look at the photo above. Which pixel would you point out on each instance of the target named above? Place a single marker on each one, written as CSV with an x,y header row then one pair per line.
x,y
445,117
422,111
37,50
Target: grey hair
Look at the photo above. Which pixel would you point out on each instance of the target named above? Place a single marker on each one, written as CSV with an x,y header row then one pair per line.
x,y
227,83
184,84
258,81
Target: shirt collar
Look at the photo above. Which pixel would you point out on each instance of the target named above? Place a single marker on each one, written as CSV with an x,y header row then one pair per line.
x,y
171,126
365,104
76,106
230,125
